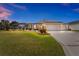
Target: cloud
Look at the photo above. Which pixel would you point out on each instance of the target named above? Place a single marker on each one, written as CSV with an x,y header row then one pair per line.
x,y
4,12
4,9
76,10
18,6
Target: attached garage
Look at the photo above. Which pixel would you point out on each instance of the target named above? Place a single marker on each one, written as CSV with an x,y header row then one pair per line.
x,y
54,26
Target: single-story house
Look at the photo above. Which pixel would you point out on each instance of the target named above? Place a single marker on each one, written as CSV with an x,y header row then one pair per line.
x,y
49,25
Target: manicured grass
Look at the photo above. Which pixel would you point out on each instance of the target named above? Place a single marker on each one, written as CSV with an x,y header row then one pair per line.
x,y
23,43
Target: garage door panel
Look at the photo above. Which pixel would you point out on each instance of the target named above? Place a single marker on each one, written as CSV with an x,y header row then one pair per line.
x,y
53,27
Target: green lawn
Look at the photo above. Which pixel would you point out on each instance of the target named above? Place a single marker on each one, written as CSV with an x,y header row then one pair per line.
x,y
23,43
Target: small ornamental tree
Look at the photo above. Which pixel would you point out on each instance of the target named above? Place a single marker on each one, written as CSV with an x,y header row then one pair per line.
x,y
42,30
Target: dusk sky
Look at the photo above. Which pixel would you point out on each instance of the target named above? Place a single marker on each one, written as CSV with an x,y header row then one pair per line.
x,y
30,12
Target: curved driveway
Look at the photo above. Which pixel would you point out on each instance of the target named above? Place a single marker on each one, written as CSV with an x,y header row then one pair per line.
x,y
69,40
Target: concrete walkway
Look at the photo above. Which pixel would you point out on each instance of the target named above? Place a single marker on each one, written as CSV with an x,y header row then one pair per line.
x,y
69,40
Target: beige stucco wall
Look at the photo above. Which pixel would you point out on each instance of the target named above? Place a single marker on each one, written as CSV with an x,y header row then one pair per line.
x,y
74,26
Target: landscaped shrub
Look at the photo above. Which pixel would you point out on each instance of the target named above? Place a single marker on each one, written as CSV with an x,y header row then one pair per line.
x,y
69,29
43,31
30,29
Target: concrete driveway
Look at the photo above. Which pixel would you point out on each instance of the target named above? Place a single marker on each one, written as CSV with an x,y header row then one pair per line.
x,y
69,41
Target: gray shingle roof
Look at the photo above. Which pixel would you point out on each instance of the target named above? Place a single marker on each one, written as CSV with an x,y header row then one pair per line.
x,y
48,21
74,22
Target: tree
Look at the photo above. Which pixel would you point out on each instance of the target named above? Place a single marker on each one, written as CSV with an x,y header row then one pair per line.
x,y
0,25
30,26
4,25
14,25
7,25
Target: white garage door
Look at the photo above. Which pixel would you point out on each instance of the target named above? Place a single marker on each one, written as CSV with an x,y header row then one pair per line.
x,y
53,27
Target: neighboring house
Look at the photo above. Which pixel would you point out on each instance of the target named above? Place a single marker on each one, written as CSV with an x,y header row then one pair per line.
x,y
74,25
22,26
30,26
